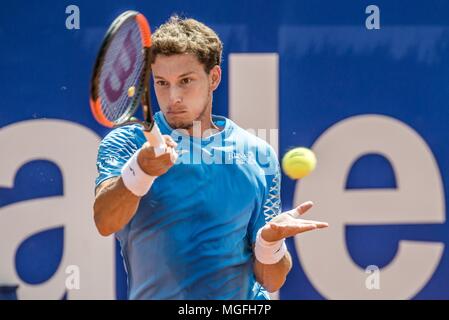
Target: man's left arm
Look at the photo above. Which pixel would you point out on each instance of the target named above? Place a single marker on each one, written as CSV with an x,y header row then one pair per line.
x,y
272,260
273,276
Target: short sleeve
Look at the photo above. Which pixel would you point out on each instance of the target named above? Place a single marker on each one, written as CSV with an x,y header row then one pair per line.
x,y
271,200
114,151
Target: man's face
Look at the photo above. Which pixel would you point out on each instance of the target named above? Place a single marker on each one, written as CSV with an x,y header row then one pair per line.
x,y
183,88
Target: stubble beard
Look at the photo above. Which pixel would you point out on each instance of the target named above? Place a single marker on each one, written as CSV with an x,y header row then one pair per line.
x,y
189,125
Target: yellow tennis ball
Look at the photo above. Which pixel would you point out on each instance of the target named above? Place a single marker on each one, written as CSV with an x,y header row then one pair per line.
x,y
298,163
131,91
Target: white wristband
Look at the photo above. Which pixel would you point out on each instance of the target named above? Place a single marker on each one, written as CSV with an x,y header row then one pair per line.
x,y
134,178
269,252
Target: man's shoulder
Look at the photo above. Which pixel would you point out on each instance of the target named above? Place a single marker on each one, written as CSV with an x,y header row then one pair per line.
x,y
122,134
251,140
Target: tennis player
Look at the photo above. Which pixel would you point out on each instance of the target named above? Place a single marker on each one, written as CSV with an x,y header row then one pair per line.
x,y
189,229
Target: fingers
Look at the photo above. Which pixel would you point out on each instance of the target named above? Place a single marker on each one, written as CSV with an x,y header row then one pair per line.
x,y
319,224
307,227
297,223
304,207
292,230
148,150
171,145
276,230
173,155
170,142
157,165
169,157
301,209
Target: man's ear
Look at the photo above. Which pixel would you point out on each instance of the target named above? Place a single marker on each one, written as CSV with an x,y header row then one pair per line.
x,y
215,77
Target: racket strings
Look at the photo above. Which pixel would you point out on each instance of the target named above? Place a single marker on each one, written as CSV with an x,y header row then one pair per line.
x,y
121,70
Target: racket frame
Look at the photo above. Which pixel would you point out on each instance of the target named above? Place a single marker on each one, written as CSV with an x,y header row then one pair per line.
x,y
142,93
142,89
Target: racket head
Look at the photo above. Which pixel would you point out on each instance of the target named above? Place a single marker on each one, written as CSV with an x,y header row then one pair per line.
x,y
121,70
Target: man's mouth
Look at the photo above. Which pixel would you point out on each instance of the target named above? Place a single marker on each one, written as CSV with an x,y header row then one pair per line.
x,y
176,112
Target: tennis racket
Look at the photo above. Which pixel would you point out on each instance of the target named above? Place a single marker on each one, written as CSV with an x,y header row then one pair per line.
x,y
120,79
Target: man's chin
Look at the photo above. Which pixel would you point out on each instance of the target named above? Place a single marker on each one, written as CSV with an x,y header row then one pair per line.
x,y
180,124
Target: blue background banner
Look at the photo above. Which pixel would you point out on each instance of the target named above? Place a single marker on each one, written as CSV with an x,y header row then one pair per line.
x,y
338,81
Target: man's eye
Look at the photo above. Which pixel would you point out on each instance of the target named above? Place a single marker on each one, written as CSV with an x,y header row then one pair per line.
x,y
186,81
161,83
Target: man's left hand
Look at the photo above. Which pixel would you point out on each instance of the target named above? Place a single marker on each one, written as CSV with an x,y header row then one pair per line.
x,y
288,224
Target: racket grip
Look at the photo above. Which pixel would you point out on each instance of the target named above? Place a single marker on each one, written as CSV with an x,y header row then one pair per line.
x,y
156,140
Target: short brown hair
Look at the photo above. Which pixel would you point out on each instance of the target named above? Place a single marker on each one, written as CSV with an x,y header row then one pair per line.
x,y
178,36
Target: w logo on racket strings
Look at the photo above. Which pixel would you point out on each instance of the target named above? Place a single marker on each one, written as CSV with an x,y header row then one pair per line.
x,y
120,72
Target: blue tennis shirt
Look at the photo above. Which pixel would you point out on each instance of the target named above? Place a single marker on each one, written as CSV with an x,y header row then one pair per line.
x,y
192,234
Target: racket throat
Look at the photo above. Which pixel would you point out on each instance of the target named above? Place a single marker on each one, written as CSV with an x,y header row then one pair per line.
x,y
155,138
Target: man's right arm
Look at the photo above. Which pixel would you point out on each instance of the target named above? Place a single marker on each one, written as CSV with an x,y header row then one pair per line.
x,y
115,204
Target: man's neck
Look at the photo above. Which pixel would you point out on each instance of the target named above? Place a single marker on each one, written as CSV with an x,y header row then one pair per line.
x,y
202,125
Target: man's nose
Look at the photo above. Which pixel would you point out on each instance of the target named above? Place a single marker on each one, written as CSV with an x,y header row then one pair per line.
x,y
175,96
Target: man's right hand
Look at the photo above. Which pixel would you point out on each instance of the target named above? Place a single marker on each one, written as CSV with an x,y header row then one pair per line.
x,y
156,166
